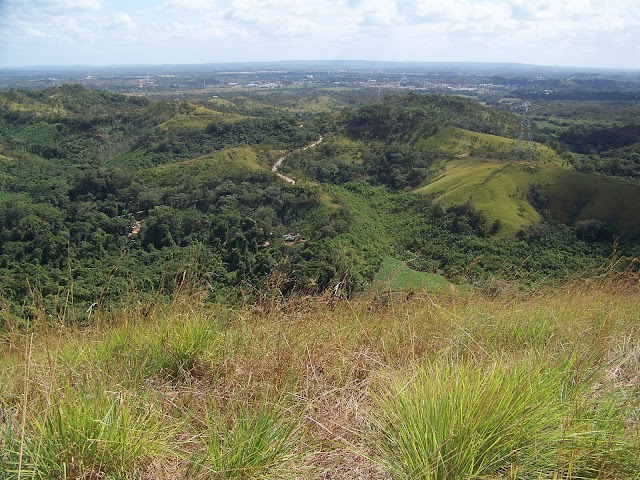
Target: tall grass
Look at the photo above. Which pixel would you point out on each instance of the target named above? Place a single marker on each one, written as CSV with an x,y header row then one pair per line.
x,y
531,418
95,434
251,445
437,386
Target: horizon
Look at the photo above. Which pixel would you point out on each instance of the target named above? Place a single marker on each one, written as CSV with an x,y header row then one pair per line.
x,y
353,63
98,33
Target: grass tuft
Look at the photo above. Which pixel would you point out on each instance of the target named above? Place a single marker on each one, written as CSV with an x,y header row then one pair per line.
x,y
253,444
97,434
530,418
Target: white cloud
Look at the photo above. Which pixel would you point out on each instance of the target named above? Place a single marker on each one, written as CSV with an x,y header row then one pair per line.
x,y
120,20
34,32
55,7
185,5
511,30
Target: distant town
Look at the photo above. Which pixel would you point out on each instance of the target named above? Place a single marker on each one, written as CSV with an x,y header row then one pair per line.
x,y
480,80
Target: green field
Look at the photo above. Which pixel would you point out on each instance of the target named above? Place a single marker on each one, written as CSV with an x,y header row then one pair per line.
x,y
396,276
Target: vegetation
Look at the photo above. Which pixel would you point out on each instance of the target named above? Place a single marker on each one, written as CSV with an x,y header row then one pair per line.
x,y
433,386
101,193
401,296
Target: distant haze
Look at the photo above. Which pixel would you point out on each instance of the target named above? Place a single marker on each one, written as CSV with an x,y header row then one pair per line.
x,y
586,33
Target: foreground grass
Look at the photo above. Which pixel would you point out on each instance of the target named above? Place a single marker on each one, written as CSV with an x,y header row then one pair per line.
x,y
429,387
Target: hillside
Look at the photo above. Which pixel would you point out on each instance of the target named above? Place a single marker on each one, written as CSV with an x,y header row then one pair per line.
x,y
503,191
101,193
466,143
429,145
371,388
192,117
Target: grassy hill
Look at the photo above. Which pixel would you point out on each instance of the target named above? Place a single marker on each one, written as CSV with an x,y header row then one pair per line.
x,y
229,163
455,150
498,189
501,190
466,143
198,118
370,388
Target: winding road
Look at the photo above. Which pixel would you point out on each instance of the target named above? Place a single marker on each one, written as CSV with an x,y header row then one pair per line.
x,y
278,164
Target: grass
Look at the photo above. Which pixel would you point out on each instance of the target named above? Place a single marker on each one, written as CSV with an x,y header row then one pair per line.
x,y
260,443
227,163
95,434
500,189
328,388
198,119
396,276
496,188
463,419
464,143
221,102
319,104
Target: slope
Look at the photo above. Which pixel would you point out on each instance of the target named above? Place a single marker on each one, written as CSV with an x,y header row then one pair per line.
x,y
193,117
502,191
466,143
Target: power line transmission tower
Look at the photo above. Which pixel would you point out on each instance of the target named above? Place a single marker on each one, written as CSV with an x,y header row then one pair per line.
x,y
525,132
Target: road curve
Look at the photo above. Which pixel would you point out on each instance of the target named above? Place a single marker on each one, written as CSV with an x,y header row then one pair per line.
x,y
278,163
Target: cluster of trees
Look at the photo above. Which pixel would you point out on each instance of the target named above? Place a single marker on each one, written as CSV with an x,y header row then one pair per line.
x,y
68,200
411,116
612,150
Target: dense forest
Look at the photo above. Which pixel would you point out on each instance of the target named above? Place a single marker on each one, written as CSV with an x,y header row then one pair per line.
x,y
103,194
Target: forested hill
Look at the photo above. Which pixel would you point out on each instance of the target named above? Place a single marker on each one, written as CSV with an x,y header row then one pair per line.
x,y
104,194
407,117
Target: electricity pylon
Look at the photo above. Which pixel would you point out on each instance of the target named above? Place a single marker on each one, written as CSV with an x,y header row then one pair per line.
x,y
525,131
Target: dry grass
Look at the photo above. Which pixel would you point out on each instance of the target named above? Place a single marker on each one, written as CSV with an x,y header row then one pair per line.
x,y
317,361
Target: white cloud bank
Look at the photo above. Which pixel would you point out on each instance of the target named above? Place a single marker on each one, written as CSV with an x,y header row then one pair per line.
x,y
600,33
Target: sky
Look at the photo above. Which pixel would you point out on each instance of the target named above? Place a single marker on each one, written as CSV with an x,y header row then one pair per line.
x,y
583,33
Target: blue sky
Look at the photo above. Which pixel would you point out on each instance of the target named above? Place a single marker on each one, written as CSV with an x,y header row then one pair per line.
x,y
596,33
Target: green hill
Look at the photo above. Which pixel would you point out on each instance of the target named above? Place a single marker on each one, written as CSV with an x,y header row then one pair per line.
x,y
502,191
110,191
498,189
198,118
466,143
229,163
461,152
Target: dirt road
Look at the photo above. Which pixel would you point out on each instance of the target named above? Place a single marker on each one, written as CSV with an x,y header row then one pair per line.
x,y
277,165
